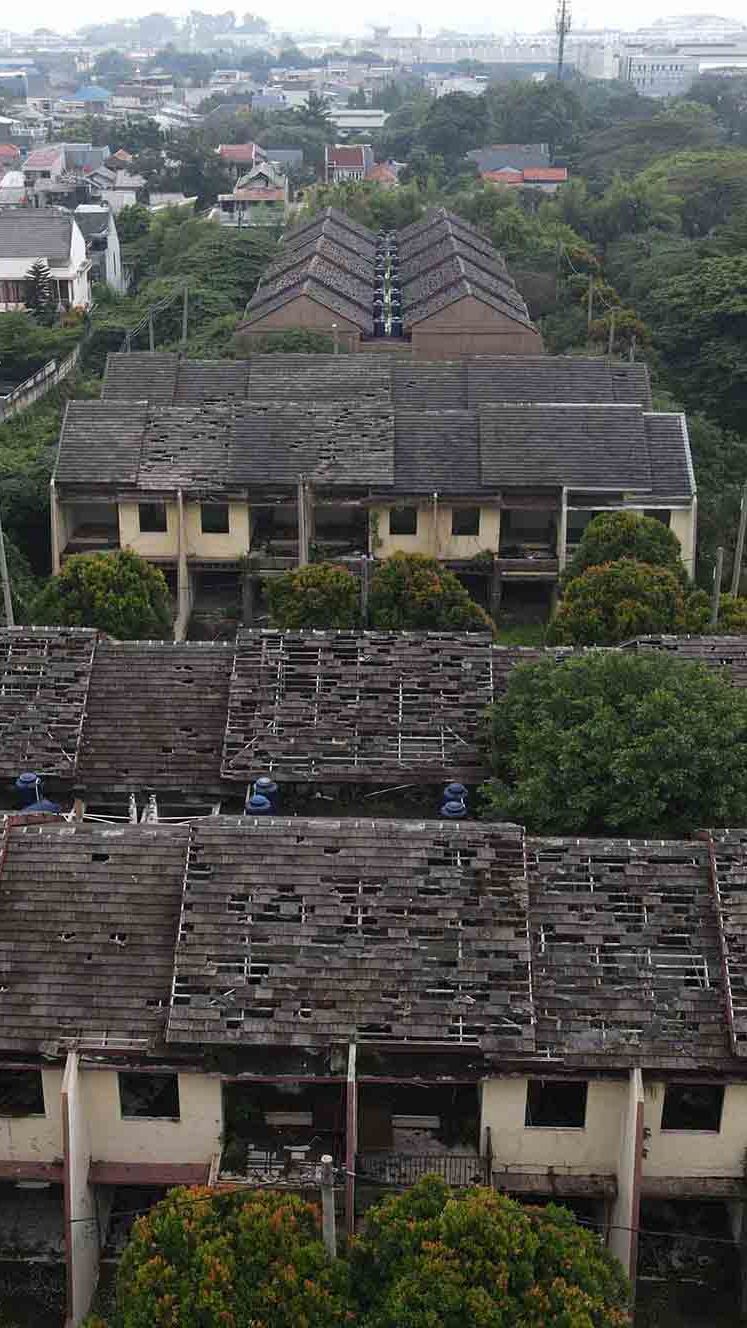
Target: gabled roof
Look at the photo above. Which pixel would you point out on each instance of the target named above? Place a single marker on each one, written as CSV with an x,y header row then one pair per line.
x,y
9,152
44,680
31,233
595,447
349,157
43,159
517,156
241,153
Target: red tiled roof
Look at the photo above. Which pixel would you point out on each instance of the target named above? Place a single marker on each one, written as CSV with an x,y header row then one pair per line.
x,y
532,175
8,152
382,172
346,156
257,194
504,177
240,152
43,158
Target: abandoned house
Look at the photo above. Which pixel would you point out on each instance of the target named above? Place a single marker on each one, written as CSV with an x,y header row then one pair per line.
x,y
226,998
436,289
493,465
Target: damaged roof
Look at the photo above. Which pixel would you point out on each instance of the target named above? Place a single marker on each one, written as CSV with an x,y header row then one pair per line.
x,y
168,379
310,932
45,674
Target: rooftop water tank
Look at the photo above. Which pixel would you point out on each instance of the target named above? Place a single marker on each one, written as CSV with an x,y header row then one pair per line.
x,y
257,805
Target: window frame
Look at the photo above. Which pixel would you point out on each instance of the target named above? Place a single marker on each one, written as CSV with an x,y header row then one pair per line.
x,y
143,1076
215,507
456,513
400,511
155,529
7,1114
555,1084
684,1088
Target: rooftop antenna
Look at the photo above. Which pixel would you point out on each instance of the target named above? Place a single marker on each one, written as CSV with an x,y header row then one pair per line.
x,y
562,27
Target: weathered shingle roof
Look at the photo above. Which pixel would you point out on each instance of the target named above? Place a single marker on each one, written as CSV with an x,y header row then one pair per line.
x,y
168,379
438,450
44,680
88,920
100,442
578,446
331,442
307,932
35,233
155,716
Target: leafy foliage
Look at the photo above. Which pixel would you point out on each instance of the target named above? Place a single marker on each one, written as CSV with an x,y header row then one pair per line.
x,y
619,743
410,592
477,1259
26,345
318,595
616,601
614,535
119,593
202,1260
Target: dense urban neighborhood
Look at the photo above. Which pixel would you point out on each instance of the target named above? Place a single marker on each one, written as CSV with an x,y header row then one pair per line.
x,y
373,675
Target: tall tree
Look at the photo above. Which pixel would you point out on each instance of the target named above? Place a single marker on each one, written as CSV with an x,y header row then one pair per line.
x,y
40,293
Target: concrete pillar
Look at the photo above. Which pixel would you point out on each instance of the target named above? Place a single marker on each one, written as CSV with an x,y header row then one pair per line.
x,y
623,1240
82,1239
183,597
351,1139
303,528
563,530
247,597
54,520
496,588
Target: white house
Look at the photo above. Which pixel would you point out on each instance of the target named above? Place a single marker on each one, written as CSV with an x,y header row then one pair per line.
x,y
102,245
27,235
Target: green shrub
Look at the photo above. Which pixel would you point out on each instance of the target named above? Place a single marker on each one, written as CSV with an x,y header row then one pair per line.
x,y
614,535
410,592
120,593
321,595
618,743
617,601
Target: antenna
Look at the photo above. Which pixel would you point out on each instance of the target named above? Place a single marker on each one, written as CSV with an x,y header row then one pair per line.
x,y
562,27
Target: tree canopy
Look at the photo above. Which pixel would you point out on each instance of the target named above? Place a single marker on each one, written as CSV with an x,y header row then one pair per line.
x,y
410,592
322,595
119,593
613,535
617,742
616,601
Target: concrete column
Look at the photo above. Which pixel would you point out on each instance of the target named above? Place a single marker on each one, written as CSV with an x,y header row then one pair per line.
x,y
623,1241
303,529
563,530
183,598
351,1139
54,520
496,588
82,1240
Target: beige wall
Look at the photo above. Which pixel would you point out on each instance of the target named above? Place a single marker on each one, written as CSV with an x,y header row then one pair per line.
x,y
195,1137
682,523
696,1152
594,1149
231,546
438,541
35,1138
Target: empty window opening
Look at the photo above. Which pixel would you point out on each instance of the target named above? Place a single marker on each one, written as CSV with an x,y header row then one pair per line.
x,y
149,1095
152,518
214,518
556,1105
692,1107
403,521
465,521
99,857
21,1093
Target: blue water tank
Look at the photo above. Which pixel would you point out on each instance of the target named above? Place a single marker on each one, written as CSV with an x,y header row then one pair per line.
x,y
28,787
267,788
453,809
43,805
257,806
455,793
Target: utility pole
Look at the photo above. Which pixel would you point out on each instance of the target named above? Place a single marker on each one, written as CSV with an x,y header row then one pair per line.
x,y
185,308
4,577
611,340
739,551
590,304
562,27
328,1208
716,592
151,333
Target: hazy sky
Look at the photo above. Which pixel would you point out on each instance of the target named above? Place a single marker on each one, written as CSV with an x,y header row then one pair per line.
x,y
337,16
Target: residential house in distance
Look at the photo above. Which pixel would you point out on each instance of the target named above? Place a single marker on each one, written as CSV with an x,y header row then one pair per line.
x,y
436,290
217,462
88,100
510,157
343,163
10,156
52,235
548,179
240,157
259,198
384,173
12,188
102,245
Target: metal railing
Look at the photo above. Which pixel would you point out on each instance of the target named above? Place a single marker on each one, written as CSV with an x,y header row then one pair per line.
x,y
401,1170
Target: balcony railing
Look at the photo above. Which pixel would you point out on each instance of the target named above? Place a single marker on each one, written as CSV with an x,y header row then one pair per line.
x,y
400,1170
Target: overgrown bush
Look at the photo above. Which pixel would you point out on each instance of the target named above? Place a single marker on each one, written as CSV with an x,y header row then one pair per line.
x,y
476,1259
614,535
410,592
321,595
119,593
617,601
618,742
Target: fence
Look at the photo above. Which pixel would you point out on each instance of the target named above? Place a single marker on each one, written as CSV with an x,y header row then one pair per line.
x,y
405,1169
39,384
